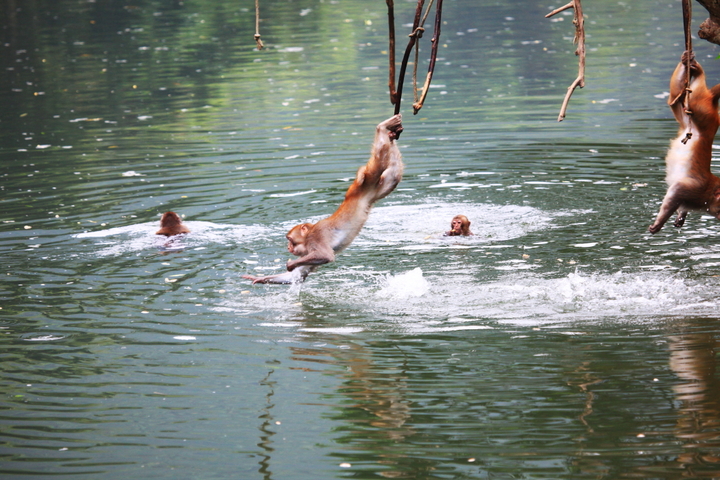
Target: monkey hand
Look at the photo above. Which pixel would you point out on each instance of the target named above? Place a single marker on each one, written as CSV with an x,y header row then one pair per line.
x,y
256,279
694,66
394,126
281,278
395,134
686,54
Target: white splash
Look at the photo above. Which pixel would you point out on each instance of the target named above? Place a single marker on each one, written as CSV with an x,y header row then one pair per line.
x,y
135,238
404,285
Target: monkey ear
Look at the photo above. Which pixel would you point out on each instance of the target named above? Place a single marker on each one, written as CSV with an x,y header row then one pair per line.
x,y
304,229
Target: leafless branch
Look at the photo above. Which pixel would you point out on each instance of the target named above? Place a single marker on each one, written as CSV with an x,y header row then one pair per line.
x,y
259,42
579,22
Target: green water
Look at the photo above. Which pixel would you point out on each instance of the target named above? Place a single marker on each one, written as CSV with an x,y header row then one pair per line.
x,y
561,341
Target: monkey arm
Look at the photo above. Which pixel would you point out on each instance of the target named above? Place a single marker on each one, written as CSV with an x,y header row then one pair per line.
x,y
320,256
296,276
282,278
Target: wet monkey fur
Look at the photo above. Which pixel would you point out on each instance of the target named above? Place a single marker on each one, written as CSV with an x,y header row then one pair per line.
x,y
691,185
171,224
319,243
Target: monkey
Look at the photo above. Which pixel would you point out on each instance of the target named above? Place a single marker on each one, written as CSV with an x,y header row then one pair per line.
x,y
460,225
691,185
170,224
319,243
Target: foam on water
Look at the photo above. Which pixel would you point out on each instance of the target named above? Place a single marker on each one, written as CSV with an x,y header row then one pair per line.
x,y
404,285
135,238
425,224
413,303
479,291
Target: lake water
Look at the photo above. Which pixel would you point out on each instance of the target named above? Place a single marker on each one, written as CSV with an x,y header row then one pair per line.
x,y
561,341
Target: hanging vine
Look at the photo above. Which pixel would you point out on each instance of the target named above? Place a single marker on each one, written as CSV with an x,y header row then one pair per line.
x,y
685,94
416,34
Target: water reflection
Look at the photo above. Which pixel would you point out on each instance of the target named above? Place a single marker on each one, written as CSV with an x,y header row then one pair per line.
x,y
374,408
266,429
693,358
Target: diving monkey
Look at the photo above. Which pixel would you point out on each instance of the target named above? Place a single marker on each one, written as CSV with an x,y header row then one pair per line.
x,y
319,243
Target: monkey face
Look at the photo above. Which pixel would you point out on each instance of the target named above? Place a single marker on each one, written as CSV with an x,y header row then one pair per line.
x,y
295,248
297,237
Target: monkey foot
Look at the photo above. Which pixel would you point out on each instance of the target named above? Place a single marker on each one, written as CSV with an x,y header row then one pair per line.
x,y
395,134
393,125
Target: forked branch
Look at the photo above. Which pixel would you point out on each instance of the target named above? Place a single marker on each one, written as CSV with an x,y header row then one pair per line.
x,y
579,39
415,36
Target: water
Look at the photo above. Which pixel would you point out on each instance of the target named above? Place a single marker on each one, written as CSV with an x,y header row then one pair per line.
x,y
561,341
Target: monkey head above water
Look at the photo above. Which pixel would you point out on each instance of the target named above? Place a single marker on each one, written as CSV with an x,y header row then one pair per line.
x,y
459,226
691,185
171,224
319,243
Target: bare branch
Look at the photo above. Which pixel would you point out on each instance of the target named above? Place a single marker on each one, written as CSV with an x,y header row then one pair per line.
x,y
710,28
258,42
433,57
558,10
579,22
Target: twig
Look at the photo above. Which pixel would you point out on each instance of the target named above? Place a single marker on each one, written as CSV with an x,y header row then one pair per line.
x,y
433,56
421,30
257,26
579,23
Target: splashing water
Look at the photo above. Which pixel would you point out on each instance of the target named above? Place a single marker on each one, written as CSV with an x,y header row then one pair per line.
x,y
405,285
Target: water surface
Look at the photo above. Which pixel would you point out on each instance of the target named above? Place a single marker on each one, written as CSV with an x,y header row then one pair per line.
x,y
560,341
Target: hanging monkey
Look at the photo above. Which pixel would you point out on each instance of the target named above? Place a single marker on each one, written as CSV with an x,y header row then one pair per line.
x,y
319,243
691,185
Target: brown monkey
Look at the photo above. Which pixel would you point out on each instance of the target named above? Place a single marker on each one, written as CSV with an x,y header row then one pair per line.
x,y
691,185
460,225
317,244
170,224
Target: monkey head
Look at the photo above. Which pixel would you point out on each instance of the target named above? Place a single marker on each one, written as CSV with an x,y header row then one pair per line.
x,y
296,239
171,224
460,225
713,206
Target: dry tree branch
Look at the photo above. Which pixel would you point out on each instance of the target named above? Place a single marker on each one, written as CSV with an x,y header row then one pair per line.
x,y
257,26
710,28
579,39
415,36
433,56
